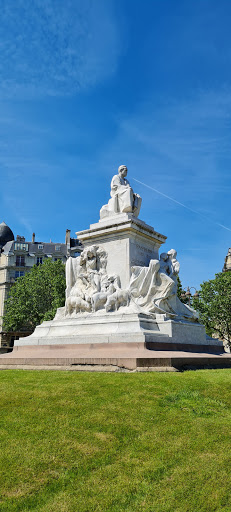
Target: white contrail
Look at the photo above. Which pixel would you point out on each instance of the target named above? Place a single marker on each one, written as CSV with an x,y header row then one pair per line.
x,y
222,226
181,204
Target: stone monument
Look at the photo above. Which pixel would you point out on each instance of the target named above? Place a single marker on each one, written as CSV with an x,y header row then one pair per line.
x,y
121,297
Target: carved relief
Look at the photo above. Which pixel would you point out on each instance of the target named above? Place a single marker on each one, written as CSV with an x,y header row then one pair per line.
x,y
152,288
89,287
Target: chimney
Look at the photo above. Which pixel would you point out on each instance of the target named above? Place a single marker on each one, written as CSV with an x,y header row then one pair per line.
x,y
68,237
33,238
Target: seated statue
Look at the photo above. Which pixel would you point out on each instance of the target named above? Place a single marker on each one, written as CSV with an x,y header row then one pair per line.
x,y
123,199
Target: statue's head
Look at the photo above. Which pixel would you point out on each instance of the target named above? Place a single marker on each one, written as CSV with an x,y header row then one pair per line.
x,y
172,253
122,170
163,256
88,258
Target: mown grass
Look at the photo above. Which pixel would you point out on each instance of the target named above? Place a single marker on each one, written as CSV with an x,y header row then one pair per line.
x,y
83,442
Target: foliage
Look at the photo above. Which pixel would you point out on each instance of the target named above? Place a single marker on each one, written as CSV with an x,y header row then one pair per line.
x,y
114,442
36,296
179,288
214,306
180,292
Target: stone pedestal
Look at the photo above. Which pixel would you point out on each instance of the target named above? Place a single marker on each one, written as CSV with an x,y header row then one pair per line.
x,y
127,241
121,327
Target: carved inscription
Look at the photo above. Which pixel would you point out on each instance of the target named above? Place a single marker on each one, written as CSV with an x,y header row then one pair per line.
x,y
140,255
143,249
136,262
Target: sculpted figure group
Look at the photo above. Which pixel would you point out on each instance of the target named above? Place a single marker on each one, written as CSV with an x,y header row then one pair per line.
x,y
89,287
152,289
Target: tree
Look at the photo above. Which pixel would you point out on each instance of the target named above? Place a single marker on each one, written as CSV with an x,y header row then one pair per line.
x,y
179,288
36,296
180,292
214,306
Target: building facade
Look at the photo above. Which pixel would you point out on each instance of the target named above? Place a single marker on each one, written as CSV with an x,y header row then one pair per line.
x,y
227,264
18,256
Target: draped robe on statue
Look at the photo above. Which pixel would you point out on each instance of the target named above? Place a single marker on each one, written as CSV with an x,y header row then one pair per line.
x,y
122,194
153,290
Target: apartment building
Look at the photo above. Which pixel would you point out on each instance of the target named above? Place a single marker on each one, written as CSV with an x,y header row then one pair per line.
x,y
17,256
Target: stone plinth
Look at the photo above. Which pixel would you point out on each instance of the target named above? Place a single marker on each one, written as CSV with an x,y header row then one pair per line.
x,y
112,356
127,241
119,328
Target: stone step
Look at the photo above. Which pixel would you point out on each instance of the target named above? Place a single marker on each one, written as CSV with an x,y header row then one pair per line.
x,y
134,359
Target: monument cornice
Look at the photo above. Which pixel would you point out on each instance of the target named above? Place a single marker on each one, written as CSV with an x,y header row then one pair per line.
x,y
115,227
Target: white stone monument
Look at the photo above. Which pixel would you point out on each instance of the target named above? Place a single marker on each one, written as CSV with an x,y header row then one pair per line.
x,y
118,289
121,296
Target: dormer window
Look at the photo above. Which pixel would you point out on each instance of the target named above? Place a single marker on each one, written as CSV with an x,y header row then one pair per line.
x,y
40,247
18,246
57,247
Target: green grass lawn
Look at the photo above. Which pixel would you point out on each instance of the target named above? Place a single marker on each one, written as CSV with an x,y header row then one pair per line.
x,y
83,442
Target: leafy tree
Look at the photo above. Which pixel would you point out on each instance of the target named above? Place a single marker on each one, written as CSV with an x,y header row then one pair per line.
x,y
214,306
180,292
179,288
36,296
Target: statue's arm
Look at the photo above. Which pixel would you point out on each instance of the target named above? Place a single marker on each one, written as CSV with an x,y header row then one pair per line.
x,y
115,184
176,267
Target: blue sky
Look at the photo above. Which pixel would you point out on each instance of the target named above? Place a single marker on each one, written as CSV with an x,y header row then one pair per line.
x,y
88,85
